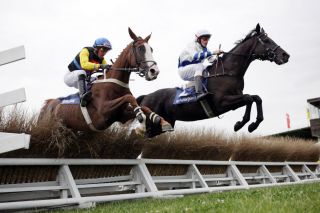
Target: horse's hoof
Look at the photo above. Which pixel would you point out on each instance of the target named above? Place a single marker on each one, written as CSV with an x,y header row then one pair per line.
x,y
252,127
237,126
167,128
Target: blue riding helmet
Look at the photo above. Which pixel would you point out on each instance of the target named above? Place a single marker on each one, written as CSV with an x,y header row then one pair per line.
x,y
102,42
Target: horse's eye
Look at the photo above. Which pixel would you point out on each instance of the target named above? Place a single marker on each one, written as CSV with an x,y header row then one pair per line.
x,y
142,48
151,49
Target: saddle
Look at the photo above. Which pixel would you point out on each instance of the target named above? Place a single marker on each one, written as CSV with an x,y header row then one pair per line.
x,y
187,93
75,98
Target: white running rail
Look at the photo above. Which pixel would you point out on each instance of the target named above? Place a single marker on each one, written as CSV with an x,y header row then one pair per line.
x,y
142,182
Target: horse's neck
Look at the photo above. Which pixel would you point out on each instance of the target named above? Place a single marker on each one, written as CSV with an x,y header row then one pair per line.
x,y
121,63
238,63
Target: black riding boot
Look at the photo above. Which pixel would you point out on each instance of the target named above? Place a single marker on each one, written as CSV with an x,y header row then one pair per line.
x,y
85,97
198,86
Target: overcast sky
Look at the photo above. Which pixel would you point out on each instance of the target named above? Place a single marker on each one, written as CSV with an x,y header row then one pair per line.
x,y
53,32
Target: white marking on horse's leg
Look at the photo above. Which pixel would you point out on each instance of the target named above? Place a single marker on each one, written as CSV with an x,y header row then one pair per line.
x,y
141,118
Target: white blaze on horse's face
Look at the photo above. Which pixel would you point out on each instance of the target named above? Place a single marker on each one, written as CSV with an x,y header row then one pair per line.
x,y
150,64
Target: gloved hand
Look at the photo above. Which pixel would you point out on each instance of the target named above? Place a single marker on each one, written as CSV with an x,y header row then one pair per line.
x,y
211,58
206,63
218,52
105,66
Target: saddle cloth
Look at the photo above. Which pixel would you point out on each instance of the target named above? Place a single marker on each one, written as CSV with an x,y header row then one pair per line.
x,y
70,99
75,98
187,93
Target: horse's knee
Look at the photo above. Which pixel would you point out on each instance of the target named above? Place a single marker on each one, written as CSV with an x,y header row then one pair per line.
x,y
257,99
248,99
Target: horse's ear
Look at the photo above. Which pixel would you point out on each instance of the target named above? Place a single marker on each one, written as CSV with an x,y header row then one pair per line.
x,y
147,38
262,30
258,28
132,35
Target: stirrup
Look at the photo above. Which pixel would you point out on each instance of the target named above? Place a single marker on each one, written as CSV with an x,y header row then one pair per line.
x,y
85,99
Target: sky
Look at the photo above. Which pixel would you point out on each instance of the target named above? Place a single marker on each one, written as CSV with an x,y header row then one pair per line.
x,y
53,32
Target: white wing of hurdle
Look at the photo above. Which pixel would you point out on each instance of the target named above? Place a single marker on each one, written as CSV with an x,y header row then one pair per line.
x,y
10,141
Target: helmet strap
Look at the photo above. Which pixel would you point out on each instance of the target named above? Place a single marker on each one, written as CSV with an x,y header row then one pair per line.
x,y
96,49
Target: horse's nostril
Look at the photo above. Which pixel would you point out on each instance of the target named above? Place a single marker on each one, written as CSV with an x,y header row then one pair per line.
x,y
285,56
153,71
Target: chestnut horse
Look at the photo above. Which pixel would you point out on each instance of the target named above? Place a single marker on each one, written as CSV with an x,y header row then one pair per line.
x,y
111,97
225,83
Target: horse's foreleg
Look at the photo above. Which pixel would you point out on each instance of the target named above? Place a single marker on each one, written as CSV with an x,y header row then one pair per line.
x,y
246,116
254,125
157,120
232,102
139,114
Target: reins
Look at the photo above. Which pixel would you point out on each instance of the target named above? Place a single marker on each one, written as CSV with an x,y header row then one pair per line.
x,y
270,55
138,70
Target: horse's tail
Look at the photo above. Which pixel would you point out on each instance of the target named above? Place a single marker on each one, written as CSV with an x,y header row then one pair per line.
x,y
140,98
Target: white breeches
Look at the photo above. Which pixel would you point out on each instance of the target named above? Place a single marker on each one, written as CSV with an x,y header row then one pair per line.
x,y
188,72
71,78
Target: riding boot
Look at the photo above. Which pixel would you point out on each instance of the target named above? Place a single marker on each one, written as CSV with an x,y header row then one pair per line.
x,y
85,97
200,94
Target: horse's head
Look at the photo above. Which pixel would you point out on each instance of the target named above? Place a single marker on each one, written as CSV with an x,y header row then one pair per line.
x,y
143,58
267,49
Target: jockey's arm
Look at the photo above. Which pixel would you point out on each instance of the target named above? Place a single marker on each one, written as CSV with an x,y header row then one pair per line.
x,y
86,64
188,57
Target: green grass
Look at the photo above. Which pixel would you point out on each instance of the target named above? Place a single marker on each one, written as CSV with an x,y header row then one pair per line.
x,y
294,198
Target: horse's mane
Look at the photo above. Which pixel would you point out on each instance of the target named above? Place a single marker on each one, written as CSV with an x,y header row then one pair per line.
x,y
249,35
123,50
129,45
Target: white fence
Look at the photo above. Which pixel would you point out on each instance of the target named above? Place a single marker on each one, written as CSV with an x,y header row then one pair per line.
x,y
142,181
10,141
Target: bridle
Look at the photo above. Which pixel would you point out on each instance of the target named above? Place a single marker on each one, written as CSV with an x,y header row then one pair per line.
x,y
268,54
138,69
141,65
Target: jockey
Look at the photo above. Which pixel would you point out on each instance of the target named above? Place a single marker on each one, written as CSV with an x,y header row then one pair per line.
x,y
90,59
191,61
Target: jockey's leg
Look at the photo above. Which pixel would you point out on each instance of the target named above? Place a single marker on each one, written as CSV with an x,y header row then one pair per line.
x,y
194,72
85,97
76,79
198,81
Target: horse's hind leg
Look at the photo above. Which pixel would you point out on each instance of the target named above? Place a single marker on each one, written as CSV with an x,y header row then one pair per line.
x,y
254,125
249,100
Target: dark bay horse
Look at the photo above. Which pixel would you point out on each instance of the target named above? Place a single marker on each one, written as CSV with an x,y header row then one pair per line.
x,y
225,83
111,97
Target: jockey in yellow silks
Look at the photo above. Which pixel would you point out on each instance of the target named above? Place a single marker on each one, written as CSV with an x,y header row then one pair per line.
x,y
90,59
